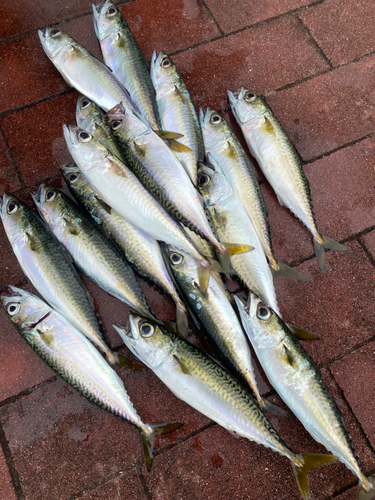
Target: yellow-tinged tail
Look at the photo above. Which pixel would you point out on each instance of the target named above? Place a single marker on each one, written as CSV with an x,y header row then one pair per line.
x,y
329,244
148,440
308,461
366,490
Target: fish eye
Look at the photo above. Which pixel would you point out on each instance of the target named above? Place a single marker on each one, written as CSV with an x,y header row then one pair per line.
x,y
73,177
116,124
147,330
84,136
13,309
111,11
50,195
85,103
203,179
176,258
263,312
215,118
55,32
12,207
166,62
249,96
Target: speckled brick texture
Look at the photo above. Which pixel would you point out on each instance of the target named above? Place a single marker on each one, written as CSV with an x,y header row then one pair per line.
x,y
314,63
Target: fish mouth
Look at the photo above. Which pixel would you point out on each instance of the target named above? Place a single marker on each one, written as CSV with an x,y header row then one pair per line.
x,y
42,34
4,203
70,135
12,294
37,195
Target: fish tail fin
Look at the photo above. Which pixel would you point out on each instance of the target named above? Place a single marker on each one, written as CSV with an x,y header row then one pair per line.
x,y
274,409
289,272
366,490
308,461
182,319
328,244
128,363
203,278
148,440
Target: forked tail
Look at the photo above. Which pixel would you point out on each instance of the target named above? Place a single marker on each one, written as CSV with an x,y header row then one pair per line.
x,y
328,244
148,440
366,491
309,460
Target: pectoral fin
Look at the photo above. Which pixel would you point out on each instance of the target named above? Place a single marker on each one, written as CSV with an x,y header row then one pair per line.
x,y
181,365
301,334
289,358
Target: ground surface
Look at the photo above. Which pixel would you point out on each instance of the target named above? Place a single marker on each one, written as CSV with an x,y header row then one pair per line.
x,y
315,64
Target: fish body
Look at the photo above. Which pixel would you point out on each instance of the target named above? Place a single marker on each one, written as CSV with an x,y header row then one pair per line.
x,y
216,315
177,112
121,190
203,384
141,250
82,70
72,357
297,380
91,118
160,171
123,55
231,223
49,268
280,163
92,251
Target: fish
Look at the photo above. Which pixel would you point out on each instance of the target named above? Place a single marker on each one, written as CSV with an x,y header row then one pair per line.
x,y
215,313
140,249
160,171
280,163
82,70
121,190
222,144
296,378
91,118
177,112
123,55
203,384
49,267
90,248
76,360
231,222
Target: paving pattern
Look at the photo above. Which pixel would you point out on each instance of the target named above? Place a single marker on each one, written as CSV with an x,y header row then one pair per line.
x,y
315,64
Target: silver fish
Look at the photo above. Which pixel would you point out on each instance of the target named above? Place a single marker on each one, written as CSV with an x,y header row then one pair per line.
x,y
177,111
92,251
49,268
82,70
280,163
296,378
230,220
123,55
222,144
74,358
203,384
139,248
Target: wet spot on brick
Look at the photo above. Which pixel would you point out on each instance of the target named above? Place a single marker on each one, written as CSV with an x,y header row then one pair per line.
x,y
216,461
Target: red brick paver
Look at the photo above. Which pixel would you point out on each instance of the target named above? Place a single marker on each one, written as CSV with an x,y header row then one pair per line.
x,y
6,489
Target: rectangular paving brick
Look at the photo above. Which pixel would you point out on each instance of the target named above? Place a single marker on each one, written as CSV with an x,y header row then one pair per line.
x,y
233,14
335,304
328,111
9,180
35,137
355,375
11,272
263,58
6,488
126,485
343,29
169,25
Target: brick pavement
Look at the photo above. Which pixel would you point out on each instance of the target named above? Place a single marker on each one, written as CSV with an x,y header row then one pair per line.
x,y
315,64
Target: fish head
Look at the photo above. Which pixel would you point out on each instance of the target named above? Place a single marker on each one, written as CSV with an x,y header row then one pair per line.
x,y
182,265
214,128
56,44
163,72
87,113
262,325
50,203
212,182
148,341
246,105
15,216
23,309
125,122
75,180
107,18
84,148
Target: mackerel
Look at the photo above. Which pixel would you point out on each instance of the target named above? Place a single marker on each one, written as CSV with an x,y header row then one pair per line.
x,y
74,358
280,163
